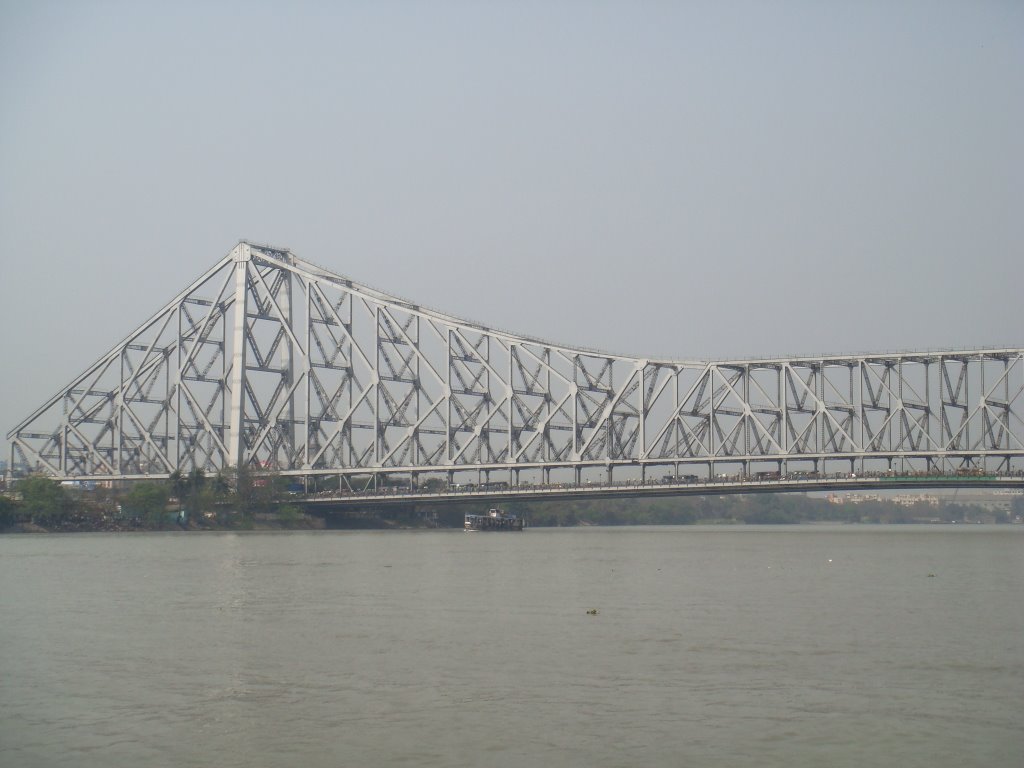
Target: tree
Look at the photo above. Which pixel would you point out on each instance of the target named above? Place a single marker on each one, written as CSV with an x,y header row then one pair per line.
x,y
254,492
196,481
189,489
44,499
8,511
1017,506
289,514
178,484
147,500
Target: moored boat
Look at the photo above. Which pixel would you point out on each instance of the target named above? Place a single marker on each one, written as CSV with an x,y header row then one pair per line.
x,y
494,520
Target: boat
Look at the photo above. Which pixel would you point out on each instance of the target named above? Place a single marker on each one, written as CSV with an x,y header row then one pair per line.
x,y
494,520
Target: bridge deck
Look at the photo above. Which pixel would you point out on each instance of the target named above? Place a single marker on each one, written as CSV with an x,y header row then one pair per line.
x,y
636,489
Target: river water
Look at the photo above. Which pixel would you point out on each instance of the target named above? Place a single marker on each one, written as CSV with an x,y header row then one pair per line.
x,y
731,646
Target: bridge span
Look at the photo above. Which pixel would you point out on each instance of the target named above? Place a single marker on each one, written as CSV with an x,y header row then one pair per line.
x,y
275,364
636,489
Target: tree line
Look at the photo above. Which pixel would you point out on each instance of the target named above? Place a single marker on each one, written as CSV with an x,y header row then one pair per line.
x,y
236,498
229,498
750,509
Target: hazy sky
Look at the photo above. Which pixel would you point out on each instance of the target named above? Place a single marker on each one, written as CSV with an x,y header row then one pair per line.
x,y
682,179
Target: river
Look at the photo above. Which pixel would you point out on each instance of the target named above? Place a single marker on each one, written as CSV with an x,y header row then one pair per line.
x,y
711,646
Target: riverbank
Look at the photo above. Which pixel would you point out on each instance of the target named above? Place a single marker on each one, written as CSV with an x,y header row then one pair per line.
x,y
757,509
310,523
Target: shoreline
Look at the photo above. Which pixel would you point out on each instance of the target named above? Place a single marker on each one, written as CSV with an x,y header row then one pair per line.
x,y
316,524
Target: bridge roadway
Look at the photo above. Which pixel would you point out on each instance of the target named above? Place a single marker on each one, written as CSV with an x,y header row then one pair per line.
x,y
634,489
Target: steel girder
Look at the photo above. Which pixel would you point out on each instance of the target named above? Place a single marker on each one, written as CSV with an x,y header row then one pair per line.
x,y
274,363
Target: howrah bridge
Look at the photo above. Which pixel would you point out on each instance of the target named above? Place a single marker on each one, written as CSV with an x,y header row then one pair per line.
x,y
270,362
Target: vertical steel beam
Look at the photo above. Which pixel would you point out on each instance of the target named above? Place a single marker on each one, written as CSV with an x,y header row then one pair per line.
x,y
236,438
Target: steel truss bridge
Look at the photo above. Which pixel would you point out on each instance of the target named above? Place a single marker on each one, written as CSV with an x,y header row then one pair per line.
x,y
273,363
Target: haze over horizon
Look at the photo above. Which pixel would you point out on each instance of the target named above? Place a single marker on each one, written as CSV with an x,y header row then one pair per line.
x,y
691,180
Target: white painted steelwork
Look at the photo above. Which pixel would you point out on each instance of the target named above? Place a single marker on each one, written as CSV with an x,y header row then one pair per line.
x,y
274,363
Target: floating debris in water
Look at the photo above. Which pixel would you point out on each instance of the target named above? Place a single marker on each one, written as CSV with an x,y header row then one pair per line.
x,y
592,612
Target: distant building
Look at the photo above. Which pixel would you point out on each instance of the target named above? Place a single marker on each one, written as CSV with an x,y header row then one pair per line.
x,y
910,499
903,499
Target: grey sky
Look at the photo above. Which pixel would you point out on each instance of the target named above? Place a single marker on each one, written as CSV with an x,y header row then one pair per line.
x,y
691,180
